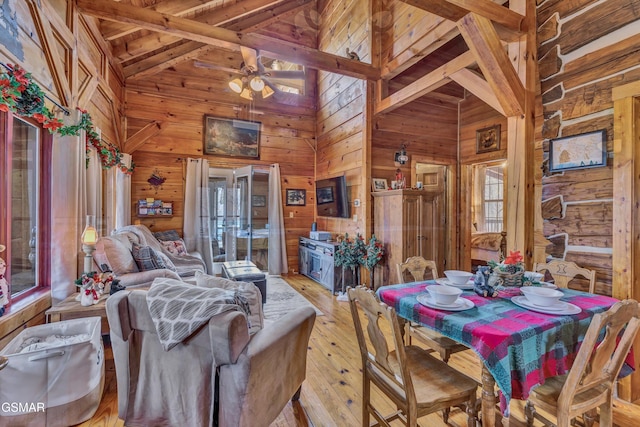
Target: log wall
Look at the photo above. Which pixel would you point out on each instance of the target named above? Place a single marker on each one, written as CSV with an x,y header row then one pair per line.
x,y
586,48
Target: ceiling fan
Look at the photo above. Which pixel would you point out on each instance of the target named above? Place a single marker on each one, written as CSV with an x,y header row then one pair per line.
x,y
256,78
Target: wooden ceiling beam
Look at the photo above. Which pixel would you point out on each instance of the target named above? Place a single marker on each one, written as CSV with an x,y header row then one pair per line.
x,y
191,50
138,139
113,30
220,37
478,86
426,84
482,39
495,12
268,16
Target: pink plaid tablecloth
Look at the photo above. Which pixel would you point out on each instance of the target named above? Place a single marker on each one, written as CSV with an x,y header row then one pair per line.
x,y
518,346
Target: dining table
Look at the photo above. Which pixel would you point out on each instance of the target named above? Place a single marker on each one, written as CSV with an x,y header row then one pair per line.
x,y
519,347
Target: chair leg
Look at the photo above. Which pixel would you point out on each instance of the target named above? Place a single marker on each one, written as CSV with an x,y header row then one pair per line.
x,y
606,414
472,414
296,395
529,413
366,395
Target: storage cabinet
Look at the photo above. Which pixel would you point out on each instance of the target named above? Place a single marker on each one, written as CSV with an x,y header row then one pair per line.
x,y
409,223
316,261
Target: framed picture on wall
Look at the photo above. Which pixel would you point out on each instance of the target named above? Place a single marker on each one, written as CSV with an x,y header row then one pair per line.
x,y
378,184
488,139
259,201
231,137
296,197
587,150
324,195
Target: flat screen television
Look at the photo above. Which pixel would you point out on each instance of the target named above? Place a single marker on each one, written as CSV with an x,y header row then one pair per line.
x,y
331,197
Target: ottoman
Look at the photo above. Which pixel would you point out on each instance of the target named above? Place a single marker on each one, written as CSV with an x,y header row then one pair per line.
x,y
246,271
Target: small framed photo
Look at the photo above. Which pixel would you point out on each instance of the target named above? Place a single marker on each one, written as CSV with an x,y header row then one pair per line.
x,y
587,150
259,201
379,184
296,197
488,139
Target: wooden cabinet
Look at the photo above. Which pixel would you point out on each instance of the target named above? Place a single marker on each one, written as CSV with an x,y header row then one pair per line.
x,y
316,261
409,223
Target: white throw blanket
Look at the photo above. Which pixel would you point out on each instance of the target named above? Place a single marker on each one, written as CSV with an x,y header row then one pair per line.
x,y
179,310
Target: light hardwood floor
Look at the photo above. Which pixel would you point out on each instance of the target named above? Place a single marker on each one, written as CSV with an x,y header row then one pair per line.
x,y
331,394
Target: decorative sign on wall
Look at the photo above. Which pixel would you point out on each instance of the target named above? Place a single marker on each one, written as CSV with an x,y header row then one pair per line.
x,y
488,139
156,180
231,137
587,150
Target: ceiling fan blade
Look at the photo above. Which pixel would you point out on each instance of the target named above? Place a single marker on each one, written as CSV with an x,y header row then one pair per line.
x,y
250,57
211,66
286,74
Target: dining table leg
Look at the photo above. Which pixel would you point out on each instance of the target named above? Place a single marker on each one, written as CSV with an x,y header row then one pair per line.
x,y
489,400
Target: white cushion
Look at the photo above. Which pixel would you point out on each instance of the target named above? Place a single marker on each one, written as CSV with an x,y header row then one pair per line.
x,y
246,289
118,258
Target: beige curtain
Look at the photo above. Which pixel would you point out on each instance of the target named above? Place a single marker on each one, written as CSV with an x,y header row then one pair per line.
x,y
93,197
277,239
477,205
117,210
67,213
196,210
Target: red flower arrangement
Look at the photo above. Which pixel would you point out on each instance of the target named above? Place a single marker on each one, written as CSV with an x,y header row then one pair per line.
x,y
20,95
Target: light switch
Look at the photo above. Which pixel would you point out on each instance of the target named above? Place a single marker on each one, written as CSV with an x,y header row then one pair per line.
x,y
290,214
355,218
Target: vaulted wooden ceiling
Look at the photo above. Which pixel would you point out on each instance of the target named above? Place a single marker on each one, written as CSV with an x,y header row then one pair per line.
x,y
466,46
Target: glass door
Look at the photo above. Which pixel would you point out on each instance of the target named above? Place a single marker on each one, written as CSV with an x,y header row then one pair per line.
x,y
221,221
252,214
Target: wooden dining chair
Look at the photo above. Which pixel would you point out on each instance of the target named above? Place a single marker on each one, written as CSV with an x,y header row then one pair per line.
x,y
565,271
416,382
418,266
590,382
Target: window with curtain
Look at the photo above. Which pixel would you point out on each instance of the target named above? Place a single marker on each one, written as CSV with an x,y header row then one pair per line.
x,y
25,214
488,197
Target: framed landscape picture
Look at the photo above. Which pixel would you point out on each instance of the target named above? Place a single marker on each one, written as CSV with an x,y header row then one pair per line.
x,y
587,150
296,197
231,137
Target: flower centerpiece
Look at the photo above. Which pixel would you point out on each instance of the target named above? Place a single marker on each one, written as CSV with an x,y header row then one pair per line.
x,y
510,271
92,285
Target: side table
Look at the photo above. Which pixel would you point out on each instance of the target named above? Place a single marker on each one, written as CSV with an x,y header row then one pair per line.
x,y
246,271
69,308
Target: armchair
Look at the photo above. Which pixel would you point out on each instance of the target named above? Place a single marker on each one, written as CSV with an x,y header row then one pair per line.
x,y
257,375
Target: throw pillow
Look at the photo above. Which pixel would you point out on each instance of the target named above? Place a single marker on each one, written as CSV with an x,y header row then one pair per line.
x,y
167,261
166,235
246,289
110,251
146,258
174,247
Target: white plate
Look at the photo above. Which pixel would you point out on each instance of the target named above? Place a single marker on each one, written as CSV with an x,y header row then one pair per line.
x,y
446,282
523,302
544,285
460,304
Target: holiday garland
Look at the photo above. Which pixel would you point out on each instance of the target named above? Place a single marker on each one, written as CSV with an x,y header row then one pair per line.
x,y
20,95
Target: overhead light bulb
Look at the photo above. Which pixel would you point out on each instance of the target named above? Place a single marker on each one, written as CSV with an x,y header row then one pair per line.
x,y
267,92
256,84
236,85
246,94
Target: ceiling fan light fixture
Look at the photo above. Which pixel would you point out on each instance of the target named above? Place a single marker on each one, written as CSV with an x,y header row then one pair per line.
x,y
267,92
246,94
256,84
236,85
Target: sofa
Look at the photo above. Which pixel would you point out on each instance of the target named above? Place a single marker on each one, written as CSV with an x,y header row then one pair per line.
x,y
220,375
137,257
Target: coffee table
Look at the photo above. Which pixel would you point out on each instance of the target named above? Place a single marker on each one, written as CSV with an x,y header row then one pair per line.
x,y
246,271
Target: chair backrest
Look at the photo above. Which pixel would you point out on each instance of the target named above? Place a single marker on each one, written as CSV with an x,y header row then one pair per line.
x,y
603,350
417,266
385,363
564,271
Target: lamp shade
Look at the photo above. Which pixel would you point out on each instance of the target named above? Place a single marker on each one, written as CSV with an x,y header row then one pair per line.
x,y
267,92
257,84
90,234
236,85
246,94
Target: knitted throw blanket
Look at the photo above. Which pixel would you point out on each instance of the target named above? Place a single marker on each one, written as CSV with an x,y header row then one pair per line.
x,y
178,311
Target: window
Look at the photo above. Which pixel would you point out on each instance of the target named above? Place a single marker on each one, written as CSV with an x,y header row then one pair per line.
x,y
25,212
488,197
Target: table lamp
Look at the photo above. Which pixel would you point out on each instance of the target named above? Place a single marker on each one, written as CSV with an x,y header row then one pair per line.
x,y
89,239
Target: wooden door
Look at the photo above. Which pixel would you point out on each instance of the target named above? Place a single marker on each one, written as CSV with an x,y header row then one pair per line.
x,y
433,219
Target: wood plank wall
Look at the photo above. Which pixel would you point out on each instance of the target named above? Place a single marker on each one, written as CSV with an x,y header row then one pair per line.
x,y
180,97
95,84
580,62
340,117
